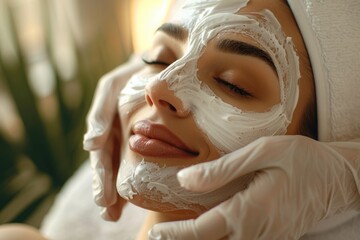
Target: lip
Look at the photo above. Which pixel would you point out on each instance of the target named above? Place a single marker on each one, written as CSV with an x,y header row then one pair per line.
x,y
155,140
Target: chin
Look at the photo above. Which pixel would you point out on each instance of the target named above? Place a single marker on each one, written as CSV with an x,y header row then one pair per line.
x,y
146,202
154,186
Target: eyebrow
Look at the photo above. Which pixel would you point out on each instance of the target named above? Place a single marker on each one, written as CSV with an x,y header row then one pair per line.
x,y
174,30
242,48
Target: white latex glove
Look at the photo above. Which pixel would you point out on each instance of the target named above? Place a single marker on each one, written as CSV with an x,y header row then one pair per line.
x,y
103,134
298,182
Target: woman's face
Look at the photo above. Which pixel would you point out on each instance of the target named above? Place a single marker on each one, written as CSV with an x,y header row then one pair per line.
x,y
212,83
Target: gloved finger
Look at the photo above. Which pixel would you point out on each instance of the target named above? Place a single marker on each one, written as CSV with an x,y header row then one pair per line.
x,y
251,214
104,191
102,112
113,212
215,174
174,230
97,132
211,225
105,164
103,107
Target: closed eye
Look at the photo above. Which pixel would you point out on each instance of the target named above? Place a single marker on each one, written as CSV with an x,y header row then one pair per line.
x,y
155,62
233,88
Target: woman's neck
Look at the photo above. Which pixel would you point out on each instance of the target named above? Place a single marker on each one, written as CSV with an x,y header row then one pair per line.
x,y
157,217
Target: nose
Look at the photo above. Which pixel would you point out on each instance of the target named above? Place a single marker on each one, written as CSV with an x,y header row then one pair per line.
x,y
158,95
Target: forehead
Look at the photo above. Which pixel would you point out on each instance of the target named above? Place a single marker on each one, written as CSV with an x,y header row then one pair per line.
x,y
189,12
233,33
281,12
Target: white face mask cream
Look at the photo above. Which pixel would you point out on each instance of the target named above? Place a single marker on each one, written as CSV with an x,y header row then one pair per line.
x,y
160,186
227,127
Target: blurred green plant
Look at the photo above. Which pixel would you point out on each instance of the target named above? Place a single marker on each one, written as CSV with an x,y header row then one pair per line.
x,y
34,167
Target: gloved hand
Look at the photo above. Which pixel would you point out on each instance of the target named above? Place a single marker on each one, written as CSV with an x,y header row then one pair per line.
x,y
298,182
103,134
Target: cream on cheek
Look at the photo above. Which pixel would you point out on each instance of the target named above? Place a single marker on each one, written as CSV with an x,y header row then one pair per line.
x,y
227,127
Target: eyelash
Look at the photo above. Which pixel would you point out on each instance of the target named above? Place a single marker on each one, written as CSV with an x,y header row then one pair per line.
x,y
233,87
155,62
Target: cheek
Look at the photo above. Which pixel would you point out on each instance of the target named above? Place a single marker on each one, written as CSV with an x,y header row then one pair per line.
x,y
229,129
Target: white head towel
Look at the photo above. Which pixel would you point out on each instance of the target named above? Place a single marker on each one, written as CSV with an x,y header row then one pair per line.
x,y
331,31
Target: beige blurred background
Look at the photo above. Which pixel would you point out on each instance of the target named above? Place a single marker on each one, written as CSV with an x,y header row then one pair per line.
x,y
52,53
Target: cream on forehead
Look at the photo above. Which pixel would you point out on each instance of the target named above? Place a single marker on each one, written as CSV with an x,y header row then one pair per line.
x,y
192,10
